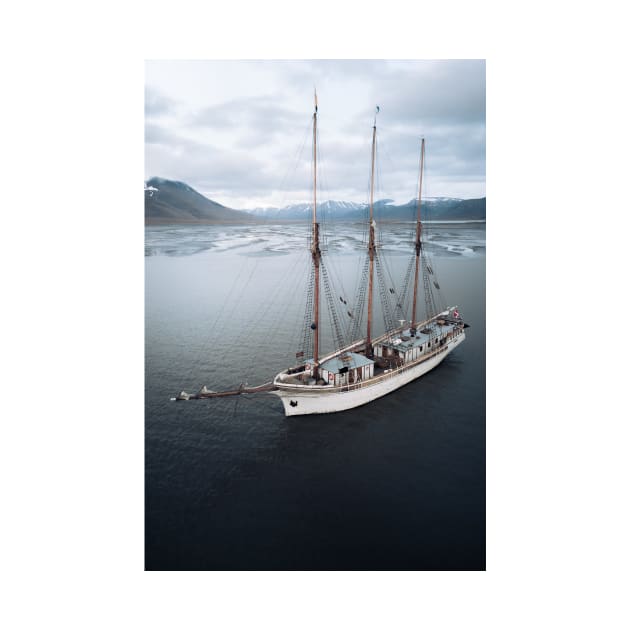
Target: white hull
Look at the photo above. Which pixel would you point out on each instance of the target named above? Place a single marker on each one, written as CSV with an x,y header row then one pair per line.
x,y
300,400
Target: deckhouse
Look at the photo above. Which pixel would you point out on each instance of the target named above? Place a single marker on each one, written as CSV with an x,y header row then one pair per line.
x,y
345,369
406,348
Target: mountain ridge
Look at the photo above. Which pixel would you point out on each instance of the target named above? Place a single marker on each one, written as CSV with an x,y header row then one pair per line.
x,y
433,209
170,201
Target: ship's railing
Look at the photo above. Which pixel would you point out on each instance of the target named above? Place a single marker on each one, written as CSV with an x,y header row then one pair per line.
x,y
392,333
396,371
375,379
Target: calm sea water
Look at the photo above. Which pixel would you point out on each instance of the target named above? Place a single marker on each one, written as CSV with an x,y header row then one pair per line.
x,y
234,484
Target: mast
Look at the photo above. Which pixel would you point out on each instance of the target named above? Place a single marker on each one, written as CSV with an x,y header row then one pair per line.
x,y
418,243
315,252
371,249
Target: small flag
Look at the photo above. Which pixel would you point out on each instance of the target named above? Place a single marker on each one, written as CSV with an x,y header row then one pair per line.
x,y
315,100
299,354
456,313
378,109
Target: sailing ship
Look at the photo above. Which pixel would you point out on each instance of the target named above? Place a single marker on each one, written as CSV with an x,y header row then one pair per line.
x,y
371,366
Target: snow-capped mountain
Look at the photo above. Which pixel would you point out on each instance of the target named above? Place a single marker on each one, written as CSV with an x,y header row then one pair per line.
x,y
304,210
436,208
168,201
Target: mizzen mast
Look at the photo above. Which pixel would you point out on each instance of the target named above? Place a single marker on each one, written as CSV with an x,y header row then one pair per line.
x,y
315,251
371,249
418,243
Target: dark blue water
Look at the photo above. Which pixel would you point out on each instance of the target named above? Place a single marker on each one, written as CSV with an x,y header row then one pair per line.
x,y
234,484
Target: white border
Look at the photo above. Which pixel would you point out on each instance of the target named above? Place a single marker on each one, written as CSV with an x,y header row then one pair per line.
x,y
73,316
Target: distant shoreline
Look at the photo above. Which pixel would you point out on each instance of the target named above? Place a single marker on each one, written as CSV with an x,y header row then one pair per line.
x,y
150,222
274,221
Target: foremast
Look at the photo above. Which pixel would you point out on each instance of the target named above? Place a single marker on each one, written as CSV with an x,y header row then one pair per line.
x,y
369,350
418,243
315,252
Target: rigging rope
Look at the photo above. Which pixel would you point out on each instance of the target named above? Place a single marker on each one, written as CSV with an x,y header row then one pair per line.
x,y
307,340
332,308
403,303
388,318
360,298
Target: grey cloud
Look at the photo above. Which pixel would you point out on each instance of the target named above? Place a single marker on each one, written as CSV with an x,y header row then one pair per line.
x,y
463,143
254,143
322,69
201,165
443,92
156,134
260,113
156,104
416,91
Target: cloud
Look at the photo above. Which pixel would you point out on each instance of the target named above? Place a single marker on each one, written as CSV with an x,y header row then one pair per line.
x,y
156,134
241,130
443,92
202,165
156,104
259,112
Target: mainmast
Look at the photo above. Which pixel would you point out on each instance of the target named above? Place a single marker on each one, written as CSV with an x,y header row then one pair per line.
x,y
418,243
371,249
315,251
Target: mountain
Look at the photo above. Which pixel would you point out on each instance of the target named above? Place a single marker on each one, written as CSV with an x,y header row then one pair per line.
x,y
167,201
433,209
441,209
305,210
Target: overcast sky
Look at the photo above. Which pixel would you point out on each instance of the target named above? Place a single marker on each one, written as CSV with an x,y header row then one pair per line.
x,y
240,131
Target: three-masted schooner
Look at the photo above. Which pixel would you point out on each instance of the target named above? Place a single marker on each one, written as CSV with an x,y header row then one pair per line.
x,y
368,368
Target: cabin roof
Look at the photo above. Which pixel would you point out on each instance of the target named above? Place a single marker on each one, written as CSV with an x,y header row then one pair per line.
x,y
419,340
354,360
